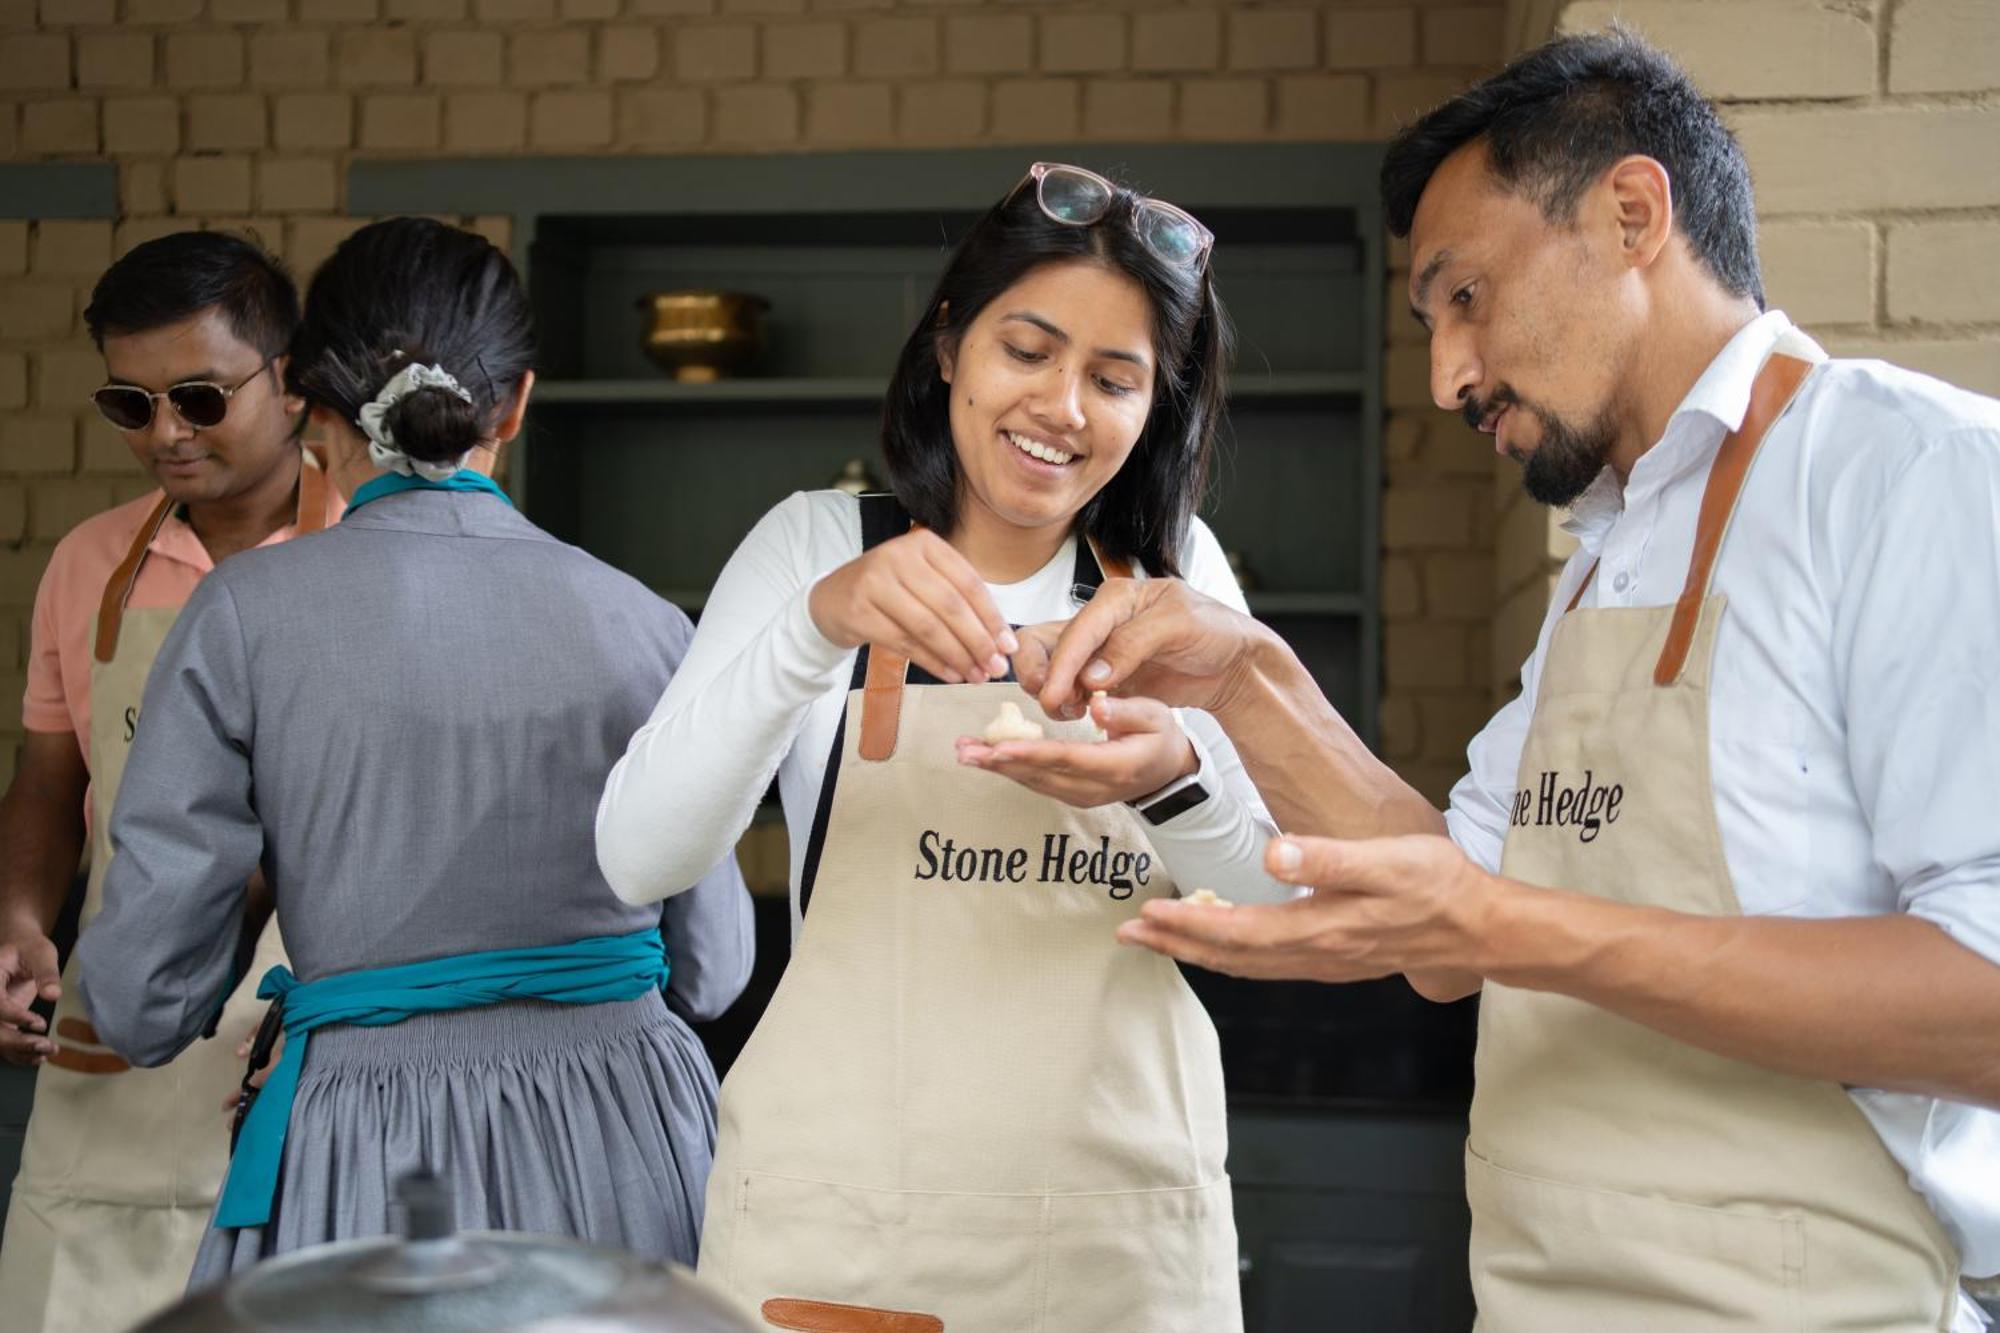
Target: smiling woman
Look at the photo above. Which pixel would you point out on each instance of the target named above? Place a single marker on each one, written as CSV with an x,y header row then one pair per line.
x,y
1048,426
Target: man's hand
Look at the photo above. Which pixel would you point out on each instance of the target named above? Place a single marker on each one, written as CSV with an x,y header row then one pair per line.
x,y
1378,907
1144,749
27,973
1153,637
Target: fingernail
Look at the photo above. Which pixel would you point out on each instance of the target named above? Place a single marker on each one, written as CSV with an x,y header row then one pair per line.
x,y
1097,671
1287,856
997,665
1009,643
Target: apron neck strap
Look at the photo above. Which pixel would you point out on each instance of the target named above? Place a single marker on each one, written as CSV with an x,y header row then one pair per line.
x,y
310,516
1776,384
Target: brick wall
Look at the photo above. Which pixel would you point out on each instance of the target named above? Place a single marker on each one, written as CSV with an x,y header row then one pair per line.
x,y
1873,134
247,112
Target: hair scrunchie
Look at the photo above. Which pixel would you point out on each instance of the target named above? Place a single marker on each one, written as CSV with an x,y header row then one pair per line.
x,y
382,442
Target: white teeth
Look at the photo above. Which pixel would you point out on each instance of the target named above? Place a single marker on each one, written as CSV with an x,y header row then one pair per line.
x,y
1036,449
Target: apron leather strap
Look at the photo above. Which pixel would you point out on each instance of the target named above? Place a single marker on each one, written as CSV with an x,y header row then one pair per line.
x,y
310,517
118,588
1772,392
1588,575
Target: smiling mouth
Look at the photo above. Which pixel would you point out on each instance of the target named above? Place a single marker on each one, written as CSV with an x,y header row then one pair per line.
x,y
1033,448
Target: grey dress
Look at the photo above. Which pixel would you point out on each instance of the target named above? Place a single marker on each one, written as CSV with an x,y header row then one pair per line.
x,y
407,721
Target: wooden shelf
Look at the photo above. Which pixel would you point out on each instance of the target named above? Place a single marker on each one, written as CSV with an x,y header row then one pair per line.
x,y
867,390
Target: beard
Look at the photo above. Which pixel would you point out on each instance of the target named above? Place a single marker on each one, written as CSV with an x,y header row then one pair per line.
x,y
1568,458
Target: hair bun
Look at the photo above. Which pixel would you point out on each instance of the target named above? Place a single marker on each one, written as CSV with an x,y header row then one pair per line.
x,y
433,425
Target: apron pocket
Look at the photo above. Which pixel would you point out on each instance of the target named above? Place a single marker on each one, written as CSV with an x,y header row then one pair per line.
x,y
1553,1257
1143,1261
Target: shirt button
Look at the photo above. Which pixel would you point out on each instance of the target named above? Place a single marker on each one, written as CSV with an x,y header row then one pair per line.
x,y
1621,583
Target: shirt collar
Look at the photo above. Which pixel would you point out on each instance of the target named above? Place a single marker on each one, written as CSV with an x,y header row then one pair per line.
x,y
176,541
1713,407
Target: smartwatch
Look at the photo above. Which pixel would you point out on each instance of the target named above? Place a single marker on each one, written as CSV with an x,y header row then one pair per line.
x,y
1173,800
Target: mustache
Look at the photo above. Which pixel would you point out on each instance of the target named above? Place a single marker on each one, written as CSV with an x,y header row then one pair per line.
x,y
1476,410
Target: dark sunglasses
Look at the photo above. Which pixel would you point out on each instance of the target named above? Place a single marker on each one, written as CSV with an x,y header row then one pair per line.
x,y
200,403
1079,198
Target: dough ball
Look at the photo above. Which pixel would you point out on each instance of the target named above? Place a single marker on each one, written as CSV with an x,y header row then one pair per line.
x,y
1208,898
1009,725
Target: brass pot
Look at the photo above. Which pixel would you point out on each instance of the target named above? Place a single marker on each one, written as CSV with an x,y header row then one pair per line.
x,y
700,336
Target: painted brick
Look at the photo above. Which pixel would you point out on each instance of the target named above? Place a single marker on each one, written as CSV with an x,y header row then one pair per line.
x,y
1273,39
1828,52
942,112
137,231
1082,43
297,185
1450,721
754,115
1402,588
204,60
114,60
338,11
895,48
463,59
76,248
1401,98
142,190
13,527
832,6
716,52
1323,106
1943,272
1517,624
375,57
989,43
65,376
249,11
1370,39
850,113
37,444
162,11
290,60
13,247
1427,517
763,6
68,126
210,185
73,13
1917,157
1458,585
1399,728
34,60
668,8
56,506
572,10
312,120
1135,109
486,122
1031,110
13,393
401,120
1424,655
308,241
1944,46
627,55
516,11
1467,35
1820,272
1970,363
439,11
1520,542
805,51
10,141
102,451
226,121
1176,40
549,59
570,119
497,228
662,117
1224,108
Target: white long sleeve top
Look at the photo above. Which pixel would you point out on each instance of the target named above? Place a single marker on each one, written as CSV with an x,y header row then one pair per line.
x,y
1854,710
762,691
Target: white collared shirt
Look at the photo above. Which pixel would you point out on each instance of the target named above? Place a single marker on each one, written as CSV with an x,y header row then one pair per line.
x,y
1854,724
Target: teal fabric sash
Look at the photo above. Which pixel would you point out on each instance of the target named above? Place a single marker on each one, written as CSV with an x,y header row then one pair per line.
x,y
465,479
592,971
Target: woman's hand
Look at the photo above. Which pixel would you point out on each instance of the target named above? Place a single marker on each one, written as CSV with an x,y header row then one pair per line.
x,y
917,596
1145,750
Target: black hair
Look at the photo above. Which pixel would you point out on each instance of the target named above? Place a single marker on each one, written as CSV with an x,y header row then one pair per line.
x,y
1143,513
174,277
415,291
1555,119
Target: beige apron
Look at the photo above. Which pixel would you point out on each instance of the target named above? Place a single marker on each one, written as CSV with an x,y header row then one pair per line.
x,y
1620,1179
121,1166
968,1103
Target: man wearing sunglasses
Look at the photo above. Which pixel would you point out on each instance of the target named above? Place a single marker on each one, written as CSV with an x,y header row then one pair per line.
x,y
121,1165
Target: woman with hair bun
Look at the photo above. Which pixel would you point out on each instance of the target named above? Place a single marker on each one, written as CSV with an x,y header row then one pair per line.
x,y
967,1102
405,721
